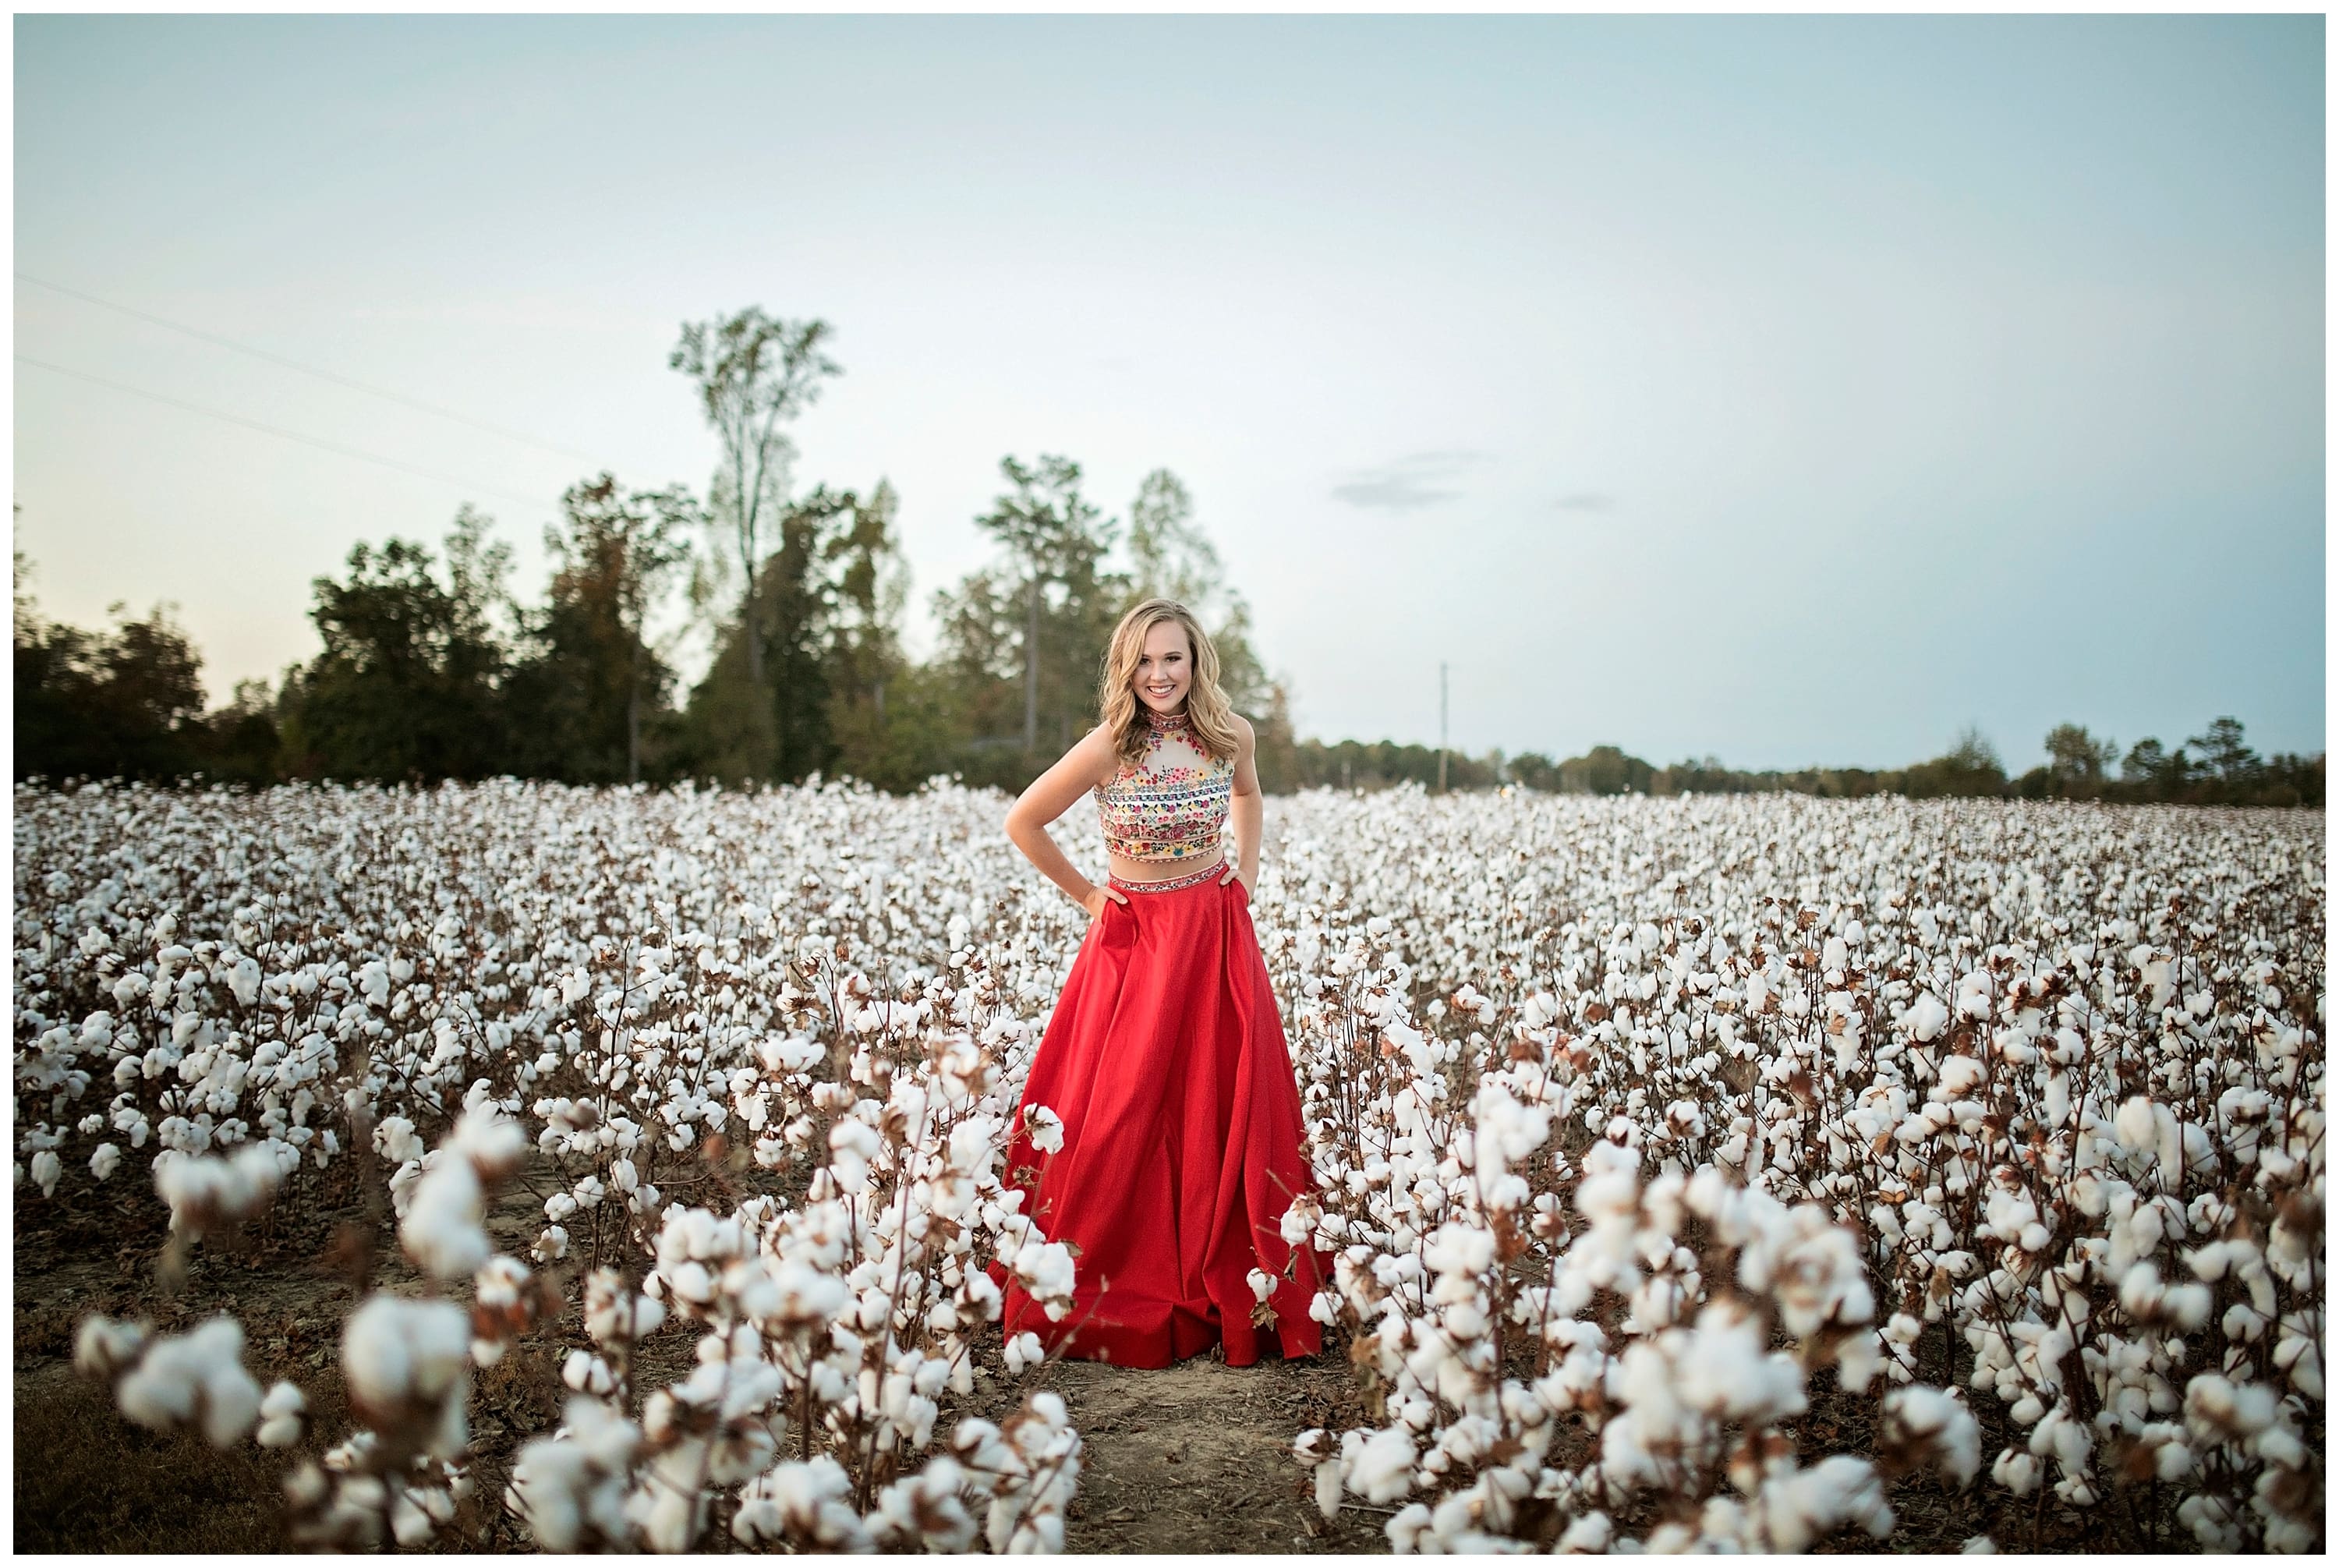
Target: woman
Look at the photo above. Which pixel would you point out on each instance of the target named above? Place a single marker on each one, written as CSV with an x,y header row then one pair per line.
x,y
1165,1058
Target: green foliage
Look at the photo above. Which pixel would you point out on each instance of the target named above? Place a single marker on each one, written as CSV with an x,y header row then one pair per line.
x,y
839,695
1605,770
1024,641
123,704
2077,763
2078,767
752,372
1970,767
1276,749
1355,764
409,684
593,691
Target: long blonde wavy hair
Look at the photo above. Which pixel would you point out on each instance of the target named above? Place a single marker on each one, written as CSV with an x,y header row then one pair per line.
x,y
1122,713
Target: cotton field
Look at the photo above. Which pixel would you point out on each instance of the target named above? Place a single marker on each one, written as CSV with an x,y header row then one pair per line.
x,y
1646,1132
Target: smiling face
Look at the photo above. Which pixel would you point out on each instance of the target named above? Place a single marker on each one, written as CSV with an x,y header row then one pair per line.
x,y
1165,669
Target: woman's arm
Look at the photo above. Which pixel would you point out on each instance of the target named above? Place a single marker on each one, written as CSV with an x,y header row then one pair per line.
x,y
1246,809
1079,770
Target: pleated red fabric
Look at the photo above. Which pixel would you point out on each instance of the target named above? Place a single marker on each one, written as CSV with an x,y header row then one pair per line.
x,y
1182,1148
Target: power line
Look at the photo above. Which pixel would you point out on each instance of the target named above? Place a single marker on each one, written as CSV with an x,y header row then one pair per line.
x,y
287,435
400,397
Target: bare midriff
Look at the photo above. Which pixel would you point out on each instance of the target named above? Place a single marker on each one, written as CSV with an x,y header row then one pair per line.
x,y
1129,870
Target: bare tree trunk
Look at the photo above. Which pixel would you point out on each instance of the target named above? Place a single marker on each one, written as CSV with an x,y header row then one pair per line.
x,y
750,502
1031,672
754,639
755,621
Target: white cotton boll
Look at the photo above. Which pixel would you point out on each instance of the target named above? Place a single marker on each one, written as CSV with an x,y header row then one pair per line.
x,y
1327,1488
158,1396
1925,1019
103,1348
1805,1505
410,1521
1960,1077
1381,1470
2242,1322
1720,1371
1939,1424
396,1353
441,1229
194,1376
279,1417
395,1140
105,1161
1590,1532
1045,1129
2016,1470
2140,1291
1858,1360
1978,1545
2133,1124
1262,1282
2215,1406
587,1373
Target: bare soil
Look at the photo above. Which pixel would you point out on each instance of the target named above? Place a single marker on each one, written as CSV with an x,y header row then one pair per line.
x,y
1196,1458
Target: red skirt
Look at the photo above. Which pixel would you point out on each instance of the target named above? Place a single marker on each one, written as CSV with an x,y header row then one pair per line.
x,y
1182,1148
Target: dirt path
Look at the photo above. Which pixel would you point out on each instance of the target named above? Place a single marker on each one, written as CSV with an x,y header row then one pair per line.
x,y
1198,1459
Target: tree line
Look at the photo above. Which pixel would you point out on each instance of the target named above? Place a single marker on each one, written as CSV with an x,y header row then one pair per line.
x,y
430,667
2216,767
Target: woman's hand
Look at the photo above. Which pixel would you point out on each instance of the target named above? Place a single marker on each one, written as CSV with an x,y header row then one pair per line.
x,y
1093,900
1234,873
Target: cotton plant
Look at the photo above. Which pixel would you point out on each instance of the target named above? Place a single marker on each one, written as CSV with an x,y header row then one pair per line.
x,y
2008,1106
2045,1081
832,1329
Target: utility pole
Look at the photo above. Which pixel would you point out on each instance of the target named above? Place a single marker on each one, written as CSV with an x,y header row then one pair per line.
x,y
1441,726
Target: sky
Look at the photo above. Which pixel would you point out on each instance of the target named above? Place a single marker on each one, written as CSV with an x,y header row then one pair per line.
x,y
1787,390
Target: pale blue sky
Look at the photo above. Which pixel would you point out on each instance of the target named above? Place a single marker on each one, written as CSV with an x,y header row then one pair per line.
x,y
1792,389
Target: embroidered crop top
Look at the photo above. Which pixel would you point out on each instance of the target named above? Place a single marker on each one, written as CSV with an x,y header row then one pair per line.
x,y
1170,804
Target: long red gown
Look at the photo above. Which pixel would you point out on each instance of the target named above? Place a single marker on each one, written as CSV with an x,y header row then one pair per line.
x,y
1182,1139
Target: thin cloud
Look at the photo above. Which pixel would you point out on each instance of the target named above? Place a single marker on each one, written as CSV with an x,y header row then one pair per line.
x,y
1409,484
1586,501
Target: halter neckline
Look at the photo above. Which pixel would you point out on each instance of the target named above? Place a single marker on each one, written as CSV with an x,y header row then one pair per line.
x,y
1158,721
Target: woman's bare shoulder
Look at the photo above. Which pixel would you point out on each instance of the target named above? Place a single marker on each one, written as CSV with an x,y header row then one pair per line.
x,y
1099,752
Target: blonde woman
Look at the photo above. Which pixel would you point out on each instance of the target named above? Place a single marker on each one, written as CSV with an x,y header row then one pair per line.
x,y
1165,1058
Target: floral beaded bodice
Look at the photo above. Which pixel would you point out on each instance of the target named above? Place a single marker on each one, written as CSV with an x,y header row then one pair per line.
x,y
1170,804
